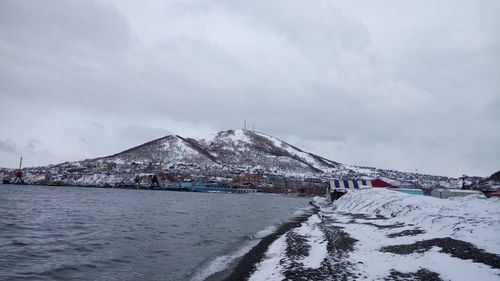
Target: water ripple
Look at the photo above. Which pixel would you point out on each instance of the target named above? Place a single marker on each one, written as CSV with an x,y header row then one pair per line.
x,y
69,233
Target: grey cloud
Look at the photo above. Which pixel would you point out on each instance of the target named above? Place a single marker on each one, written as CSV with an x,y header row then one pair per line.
x,y
83,141
8,146
59,51
32,146
61,27
401,82
141,133
321,30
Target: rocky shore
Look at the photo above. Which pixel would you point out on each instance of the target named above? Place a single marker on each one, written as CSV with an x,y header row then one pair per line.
x,y
248,262
382,235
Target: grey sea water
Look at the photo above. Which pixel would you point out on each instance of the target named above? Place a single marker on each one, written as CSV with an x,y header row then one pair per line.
x,y
74,233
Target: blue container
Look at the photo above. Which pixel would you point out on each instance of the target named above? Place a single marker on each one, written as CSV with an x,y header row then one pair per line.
x,y
414,191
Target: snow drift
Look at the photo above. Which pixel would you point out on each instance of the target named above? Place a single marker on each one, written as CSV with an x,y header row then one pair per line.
x,y
474,219
380,234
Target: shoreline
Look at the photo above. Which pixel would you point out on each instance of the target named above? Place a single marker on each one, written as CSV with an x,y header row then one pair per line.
x,y
335,245
158,189
245,265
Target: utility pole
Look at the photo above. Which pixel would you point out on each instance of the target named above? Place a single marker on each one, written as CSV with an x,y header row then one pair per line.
x,y
245,125
464,177
416,176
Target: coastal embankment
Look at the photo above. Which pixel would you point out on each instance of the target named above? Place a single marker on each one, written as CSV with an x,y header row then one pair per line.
x,y
248,262
383,235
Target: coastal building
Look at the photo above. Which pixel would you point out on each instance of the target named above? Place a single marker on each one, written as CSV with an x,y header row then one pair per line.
x,y
380,183
357,184
445,193
337,188
349,184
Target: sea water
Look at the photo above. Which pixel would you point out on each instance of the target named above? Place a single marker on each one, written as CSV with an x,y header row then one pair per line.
x,y
75,233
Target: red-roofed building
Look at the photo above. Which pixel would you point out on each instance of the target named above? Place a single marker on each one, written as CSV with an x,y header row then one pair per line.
x,y
380,183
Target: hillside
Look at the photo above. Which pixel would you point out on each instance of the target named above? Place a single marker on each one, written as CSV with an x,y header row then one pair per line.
x,y
227,157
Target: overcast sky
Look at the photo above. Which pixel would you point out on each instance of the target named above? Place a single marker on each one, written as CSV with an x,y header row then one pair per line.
x,y
406,85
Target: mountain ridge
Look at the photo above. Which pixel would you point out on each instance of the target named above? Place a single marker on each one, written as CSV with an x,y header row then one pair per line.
x,y
228,155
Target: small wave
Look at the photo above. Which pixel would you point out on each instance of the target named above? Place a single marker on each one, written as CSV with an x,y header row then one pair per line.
x,y
205,242
58,272
19,243
120,261
265,232
303,211
223,262
82,249
272,228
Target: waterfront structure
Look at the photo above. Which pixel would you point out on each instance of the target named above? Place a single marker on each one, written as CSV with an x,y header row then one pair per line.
x,y
349,184
380,183
205,187
445,193
337,188
413,191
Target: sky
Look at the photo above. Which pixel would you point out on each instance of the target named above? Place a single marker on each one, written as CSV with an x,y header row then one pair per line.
x,y
395,84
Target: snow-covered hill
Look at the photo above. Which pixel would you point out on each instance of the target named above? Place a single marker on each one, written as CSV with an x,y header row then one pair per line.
x,y
170,149
225,156
241,148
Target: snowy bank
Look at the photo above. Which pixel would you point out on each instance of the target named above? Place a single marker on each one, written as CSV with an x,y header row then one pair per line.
x,y
400,235
380,234
474,219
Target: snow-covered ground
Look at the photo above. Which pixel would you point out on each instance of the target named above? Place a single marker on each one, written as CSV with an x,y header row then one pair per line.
x,y
379,234
278,261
